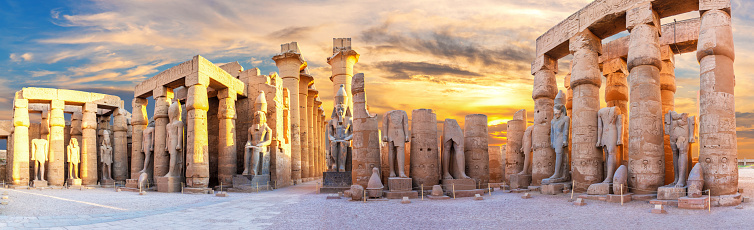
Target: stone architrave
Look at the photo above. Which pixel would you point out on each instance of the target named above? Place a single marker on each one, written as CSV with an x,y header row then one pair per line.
x,y
88,164
366,136
718,149
396,134
514,155
545,89
74,158
39,151
120,145
475,148
586,79
290,63
645,138
226,114
139,122
56,162
424,152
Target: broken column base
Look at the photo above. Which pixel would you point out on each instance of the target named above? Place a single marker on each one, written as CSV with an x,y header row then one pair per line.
x,y
520,181
670,193
599,189
693,203
618,198
168,184
374,193
726,200
554,188
335,182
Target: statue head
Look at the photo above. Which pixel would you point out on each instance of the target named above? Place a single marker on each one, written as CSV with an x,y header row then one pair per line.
x,y
260,117
260,104
174,112
340,103
75,142
559,111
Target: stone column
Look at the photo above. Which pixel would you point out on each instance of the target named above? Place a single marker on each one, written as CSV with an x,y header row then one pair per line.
x,y
139,122
303,90
342,62
645,139
120,145
20,142
227,145
197,144
667,93
717,132
317,137
475,149
56,162
545,89
321,143
424,152
586,79
162,98
88,146
290,63
514,157
311,94
616,94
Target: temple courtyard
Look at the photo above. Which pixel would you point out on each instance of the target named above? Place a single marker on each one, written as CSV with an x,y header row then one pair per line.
x,y
301,207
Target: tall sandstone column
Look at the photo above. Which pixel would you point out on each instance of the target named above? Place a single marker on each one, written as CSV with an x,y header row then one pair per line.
x,y
342,62
586,79
645,138
545,89
139,122
120,145
20,142
514,157
717,132
227,140
616,94
55,172
162,98
290,63
366,135
197,144
303,90
667,93
424,151
88,165
310,134
322,139
317,137
475,143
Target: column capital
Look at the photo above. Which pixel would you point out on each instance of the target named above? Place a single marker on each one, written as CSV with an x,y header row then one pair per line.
x,y
585,40
227,93
642,13
544,62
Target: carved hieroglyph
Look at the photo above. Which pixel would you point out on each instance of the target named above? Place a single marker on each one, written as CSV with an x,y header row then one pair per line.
x,y
424,164
544,92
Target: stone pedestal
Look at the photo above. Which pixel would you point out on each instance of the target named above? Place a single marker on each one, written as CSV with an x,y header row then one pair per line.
x,y
554,188
73,183
399,188
39,184
131,183
334,182
726,200
613,198
458,184
599,189
520,181
694,203
168,184
670,193
374,193
250,183
107,183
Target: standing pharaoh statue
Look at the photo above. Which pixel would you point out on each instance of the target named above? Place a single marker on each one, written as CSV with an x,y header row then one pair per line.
x,y
106,155
527,150
609,137
559,128
452,149
259,138
395,132
339,133
74,158
174,143
39,149
147,145
680,128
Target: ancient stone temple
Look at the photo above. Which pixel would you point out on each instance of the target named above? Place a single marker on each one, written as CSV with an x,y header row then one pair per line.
x,y
641,84
53,104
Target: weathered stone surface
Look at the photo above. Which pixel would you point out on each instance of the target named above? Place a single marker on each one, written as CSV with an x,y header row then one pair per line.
x,y
642,13
514,155
342,62
398,184
617,198
366,135
197,152
644,47
424,152
89,145
670,193
290,63
458,184
693,203
475,148
599,189
695,181
554,188
198,70
620,180
496,163
519,181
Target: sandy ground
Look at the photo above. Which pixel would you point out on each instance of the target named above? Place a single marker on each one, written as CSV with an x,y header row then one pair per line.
x,y
301,207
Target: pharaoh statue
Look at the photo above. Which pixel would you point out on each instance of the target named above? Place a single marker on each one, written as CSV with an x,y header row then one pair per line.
x,y
609,137
339,132
106,155
74,158
39,149
559,128
452,149
680,128
174,143
526,148
259,138
147,145
395,133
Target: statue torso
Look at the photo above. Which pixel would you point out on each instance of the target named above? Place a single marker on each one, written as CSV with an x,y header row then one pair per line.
x,y
258,133
609,128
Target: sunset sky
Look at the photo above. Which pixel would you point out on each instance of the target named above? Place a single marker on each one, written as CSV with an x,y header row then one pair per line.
x,y
456,57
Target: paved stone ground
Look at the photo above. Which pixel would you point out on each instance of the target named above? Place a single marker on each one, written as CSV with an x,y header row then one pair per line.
x,y
299,207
